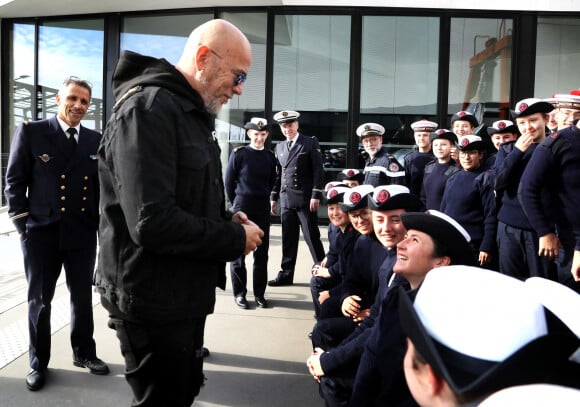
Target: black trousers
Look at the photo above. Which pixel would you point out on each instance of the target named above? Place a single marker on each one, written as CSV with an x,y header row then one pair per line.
x,y
43,261
163,360
238,270
292,220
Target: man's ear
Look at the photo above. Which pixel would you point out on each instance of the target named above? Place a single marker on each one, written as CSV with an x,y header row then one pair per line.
x,y
434,384
201,56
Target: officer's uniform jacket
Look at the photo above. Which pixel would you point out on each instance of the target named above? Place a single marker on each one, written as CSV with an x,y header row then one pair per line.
x,y
44,186
383,169
300,174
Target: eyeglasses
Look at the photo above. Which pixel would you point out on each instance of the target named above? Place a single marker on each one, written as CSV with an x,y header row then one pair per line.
x,y
370,140
239,78
569,112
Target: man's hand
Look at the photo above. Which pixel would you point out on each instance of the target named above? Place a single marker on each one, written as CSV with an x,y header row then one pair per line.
x,y
253,236
314,204
362,315
350,306
576,266
484,258
240,217
313,363
273,207
323,296
318,271
524,142
549,245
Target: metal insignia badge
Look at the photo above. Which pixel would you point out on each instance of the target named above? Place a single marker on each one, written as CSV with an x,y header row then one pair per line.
x,y
383,196
45,158
355,198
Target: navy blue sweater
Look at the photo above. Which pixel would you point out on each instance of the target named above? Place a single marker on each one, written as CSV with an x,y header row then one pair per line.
x,y
415,163
509,166
555,163
249,179
434,180
362,278
350,350
469,199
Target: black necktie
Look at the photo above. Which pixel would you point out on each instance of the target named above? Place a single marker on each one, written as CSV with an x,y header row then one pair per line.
x,y
289,144
72,142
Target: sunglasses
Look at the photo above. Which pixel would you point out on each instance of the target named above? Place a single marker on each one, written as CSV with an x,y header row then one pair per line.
x,y
239,78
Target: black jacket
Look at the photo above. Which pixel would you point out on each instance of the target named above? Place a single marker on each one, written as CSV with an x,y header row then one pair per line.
x,y
164,239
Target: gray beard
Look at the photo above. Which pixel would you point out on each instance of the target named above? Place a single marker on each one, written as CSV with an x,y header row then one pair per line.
x,y
213,106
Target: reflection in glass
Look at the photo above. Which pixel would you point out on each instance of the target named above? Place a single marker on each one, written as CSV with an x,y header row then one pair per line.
x,y
159,36
557,56
480,66
399,65
311,75
71,48
21,76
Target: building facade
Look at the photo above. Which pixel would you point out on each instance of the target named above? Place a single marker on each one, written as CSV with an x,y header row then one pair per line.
x,y
338,63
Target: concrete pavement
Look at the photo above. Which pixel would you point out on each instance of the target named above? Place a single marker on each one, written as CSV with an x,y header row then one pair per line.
x,y
257,356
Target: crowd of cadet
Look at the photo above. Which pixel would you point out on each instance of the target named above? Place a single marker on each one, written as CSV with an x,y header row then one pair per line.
x,y
450,276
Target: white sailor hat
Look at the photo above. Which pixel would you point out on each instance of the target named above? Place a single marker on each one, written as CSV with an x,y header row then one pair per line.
x,y
502,126
333,184
424,126
356,198
335,194
568,100
529,106
443,134
477,342
444,229
389,197
465,116
350,174
334,151
286,116
370,129
470,142
257,123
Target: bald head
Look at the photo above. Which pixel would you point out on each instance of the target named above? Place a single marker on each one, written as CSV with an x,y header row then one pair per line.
x,y
215,61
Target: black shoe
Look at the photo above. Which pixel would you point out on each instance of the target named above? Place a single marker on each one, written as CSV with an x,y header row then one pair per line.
x,y
204,352
242,302
280,281
95,366
35,379
261,302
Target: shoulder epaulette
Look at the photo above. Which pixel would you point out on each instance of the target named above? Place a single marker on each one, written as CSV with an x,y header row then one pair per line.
x,y
237,148
26,122
127,95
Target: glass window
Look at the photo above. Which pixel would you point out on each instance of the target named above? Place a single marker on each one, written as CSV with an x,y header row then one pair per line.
x,y
160,36
21,76
240,109
311,75
399,74
557,56
480,67
71,48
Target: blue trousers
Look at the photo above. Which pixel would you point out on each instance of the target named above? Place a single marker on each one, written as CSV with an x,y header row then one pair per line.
x,y
518,254
43,261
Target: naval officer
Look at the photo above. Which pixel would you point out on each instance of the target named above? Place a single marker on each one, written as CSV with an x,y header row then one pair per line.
x,y
53,197
299,187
